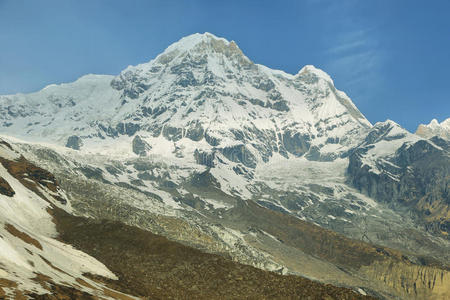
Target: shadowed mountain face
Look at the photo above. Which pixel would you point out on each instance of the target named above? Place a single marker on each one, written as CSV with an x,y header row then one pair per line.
x,y
413,175
274,170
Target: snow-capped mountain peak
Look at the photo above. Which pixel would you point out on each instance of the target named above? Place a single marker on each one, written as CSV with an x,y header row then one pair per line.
x,y
434,128
193,48
203,93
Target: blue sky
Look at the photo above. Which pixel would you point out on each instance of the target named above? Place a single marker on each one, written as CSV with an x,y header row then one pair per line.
x,y
391,57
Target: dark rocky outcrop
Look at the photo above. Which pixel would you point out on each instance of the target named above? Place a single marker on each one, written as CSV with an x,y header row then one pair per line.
x,y
127,128
109,131
195,131
295,143
172,133
239,154
280,106
32,177
212,140
140,147
205,158
5,188
74,142
92,173
264,84
131,84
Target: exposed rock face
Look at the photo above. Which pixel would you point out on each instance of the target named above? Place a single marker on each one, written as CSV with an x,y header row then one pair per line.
x,y
295,143
195,131
239,153
416,175
140,147
412,281
32,177
74,142
5,188
127,128
205,158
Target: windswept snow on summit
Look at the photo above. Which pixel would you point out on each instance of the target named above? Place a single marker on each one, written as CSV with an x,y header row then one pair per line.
x,y
434,128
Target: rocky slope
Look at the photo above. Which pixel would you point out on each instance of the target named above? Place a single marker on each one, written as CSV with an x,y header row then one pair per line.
x,y
150,266
38,261
263,236
394,166
32,259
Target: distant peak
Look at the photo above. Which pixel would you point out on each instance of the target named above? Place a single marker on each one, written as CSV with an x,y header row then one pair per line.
x,y
434,122
316,71
435,128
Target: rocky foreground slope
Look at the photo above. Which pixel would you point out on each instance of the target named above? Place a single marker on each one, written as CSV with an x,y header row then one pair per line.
x,y
147,265
42,243
274,170
33,260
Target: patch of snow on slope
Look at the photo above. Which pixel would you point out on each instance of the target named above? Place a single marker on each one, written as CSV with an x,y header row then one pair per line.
x,y
21,259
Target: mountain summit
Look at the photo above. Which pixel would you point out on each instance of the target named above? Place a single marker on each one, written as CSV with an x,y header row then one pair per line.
x,y
206,42
202,91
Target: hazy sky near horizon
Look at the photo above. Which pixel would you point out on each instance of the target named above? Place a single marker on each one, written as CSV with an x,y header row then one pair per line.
x,y
392,57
